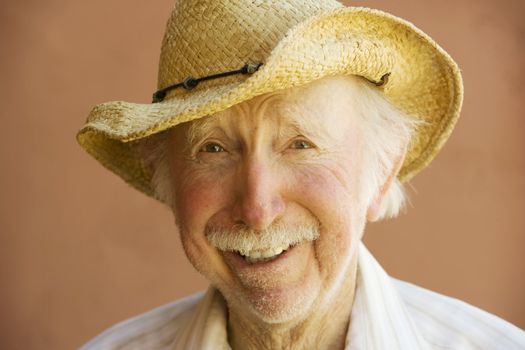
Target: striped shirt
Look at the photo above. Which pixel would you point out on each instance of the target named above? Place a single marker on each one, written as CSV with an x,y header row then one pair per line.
x,y
387,314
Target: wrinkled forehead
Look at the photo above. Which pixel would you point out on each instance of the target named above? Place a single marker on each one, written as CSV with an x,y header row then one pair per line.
x,y
326,105
324,95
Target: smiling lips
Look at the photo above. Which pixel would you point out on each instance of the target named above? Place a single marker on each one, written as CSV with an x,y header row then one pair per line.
x,y
265,255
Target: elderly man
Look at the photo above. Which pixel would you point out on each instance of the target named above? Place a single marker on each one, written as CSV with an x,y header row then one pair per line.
x,y
279,128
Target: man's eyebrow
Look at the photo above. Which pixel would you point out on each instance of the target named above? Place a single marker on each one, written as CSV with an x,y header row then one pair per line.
x,y
301,120
200,128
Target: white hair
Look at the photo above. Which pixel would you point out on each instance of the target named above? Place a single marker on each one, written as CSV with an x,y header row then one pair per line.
x,y
387,131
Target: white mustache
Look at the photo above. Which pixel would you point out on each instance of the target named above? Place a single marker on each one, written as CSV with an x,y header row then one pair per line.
x,y
245,239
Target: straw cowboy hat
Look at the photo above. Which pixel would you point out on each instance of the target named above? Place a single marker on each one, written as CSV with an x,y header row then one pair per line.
x,y
217,53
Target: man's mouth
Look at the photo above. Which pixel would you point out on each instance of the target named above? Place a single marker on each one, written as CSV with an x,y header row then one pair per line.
x,y
245,246
265,255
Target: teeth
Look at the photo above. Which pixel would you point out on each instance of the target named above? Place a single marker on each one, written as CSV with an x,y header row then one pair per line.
x,y
262,255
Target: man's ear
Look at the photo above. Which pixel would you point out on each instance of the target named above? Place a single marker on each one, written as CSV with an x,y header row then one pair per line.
x,y
374,207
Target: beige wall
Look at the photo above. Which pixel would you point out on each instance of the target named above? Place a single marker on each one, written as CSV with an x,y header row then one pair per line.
x,y
80,250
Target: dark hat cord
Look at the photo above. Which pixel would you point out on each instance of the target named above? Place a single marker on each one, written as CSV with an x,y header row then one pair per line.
x,y
250,68
191,82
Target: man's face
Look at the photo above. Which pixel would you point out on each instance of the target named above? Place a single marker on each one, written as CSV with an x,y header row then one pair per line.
x,y
281,171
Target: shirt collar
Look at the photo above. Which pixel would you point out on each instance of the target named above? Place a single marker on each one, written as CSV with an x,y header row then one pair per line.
x,y
379,319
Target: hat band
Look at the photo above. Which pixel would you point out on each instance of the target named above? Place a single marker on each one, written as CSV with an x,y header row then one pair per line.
x,y
191,82
250,68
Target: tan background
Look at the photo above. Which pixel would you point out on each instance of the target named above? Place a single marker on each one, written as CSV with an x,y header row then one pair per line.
x,y
80,250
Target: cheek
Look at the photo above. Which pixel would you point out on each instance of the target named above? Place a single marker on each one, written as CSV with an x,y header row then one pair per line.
x,y
196,198
205,259
329,189
330,193
195,201
335,203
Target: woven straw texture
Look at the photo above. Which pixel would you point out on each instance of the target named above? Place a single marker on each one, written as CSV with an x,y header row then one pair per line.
x,y
297,42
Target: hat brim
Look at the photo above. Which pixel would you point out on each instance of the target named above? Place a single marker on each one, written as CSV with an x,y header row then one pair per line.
x,y
424,82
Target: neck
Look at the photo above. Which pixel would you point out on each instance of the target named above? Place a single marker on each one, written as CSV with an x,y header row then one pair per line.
x,y
325,327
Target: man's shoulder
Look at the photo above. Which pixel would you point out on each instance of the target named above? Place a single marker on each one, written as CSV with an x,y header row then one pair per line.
x,y
448,323
154,329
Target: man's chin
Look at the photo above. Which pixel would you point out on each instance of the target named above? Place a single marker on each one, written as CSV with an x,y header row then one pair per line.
x,y
281,306
274,305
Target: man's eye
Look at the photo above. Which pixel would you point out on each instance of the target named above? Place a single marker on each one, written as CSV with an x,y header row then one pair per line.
x,y
211,148
301,144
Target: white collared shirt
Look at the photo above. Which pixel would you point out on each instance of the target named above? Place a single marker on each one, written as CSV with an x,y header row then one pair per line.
x,y
387,314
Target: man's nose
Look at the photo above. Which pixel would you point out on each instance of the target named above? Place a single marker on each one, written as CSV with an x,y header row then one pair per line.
x,y
258,201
